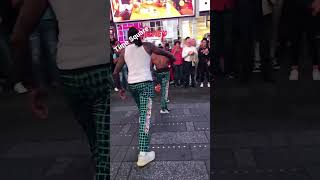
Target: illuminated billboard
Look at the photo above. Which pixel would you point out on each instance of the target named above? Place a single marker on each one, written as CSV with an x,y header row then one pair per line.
x,y
139,10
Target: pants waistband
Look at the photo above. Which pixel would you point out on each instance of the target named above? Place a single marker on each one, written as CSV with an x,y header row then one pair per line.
x,y
163,70
85,69
141,82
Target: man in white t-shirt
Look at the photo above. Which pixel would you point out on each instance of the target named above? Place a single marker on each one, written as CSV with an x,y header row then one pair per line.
x,y
189,54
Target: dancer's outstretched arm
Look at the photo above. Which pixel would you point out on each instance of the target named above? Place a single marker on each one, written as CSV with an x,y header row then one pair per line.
x,y
150,48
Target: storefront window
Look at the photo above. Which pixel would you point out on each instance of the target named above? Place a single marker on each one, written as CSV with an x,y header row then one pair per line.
x,y
203,27
122,30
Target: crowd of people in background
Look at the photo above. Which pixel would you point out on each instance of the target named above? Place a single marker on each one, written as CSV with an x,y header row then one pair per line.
x,y
251,36
42,49
190,69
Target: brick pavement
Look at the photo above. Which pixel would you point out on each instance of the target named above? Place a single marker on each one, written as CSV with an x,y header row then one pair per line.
x,y
180,139
266,131
56,149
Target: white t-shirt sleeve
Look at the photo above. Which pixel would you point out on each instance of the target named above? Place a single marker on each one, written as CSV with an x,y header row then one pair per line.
x,y
185,52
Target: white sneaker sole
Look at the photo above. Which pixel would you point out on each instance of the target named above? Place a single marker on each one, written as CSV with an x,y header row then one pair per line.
x,y
142,164
164,112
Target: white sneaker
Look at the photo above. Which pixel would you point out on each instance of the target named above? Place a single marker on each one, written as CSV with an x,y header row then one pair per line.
x,y
316,74
208,85
145,159
201,85
294,75
19,88
164,111
116,89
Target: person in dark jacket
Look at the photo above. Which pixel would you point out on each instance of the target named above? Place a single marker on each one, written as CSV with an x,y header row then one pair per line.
x,y
299,17
204,58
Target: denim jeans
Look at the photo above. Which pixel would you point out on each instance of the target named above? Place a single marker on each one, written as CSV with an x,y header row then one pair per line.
x,y
124,76
178,74
9,69
188,71
43,44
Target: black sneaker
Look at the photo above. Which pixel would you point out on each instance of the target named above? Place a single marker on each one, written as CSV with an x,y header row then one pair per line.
x,y
256,69
275,65
230,76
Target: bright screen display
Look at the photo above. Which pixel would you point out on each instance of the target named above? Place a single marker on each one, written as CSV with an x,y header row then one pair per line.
x,y
139,10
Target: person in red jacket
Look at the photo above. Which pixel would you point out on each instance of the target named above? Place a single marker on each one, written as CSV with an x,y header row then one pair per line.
x,y
178,64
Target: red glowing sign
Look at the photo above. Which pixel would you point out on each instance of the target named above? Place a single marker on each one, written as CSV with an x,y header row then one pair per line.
x,y
159,33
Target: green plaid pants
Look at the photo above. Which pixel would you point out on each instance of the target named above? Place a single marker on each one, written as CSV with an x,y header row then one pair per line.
x,y
143,94
88,93
163,78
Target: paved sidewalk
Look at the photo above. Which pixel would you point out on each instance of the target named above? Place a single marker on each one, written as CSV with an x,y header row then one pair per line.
x,y
180,139
30,149
266,131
